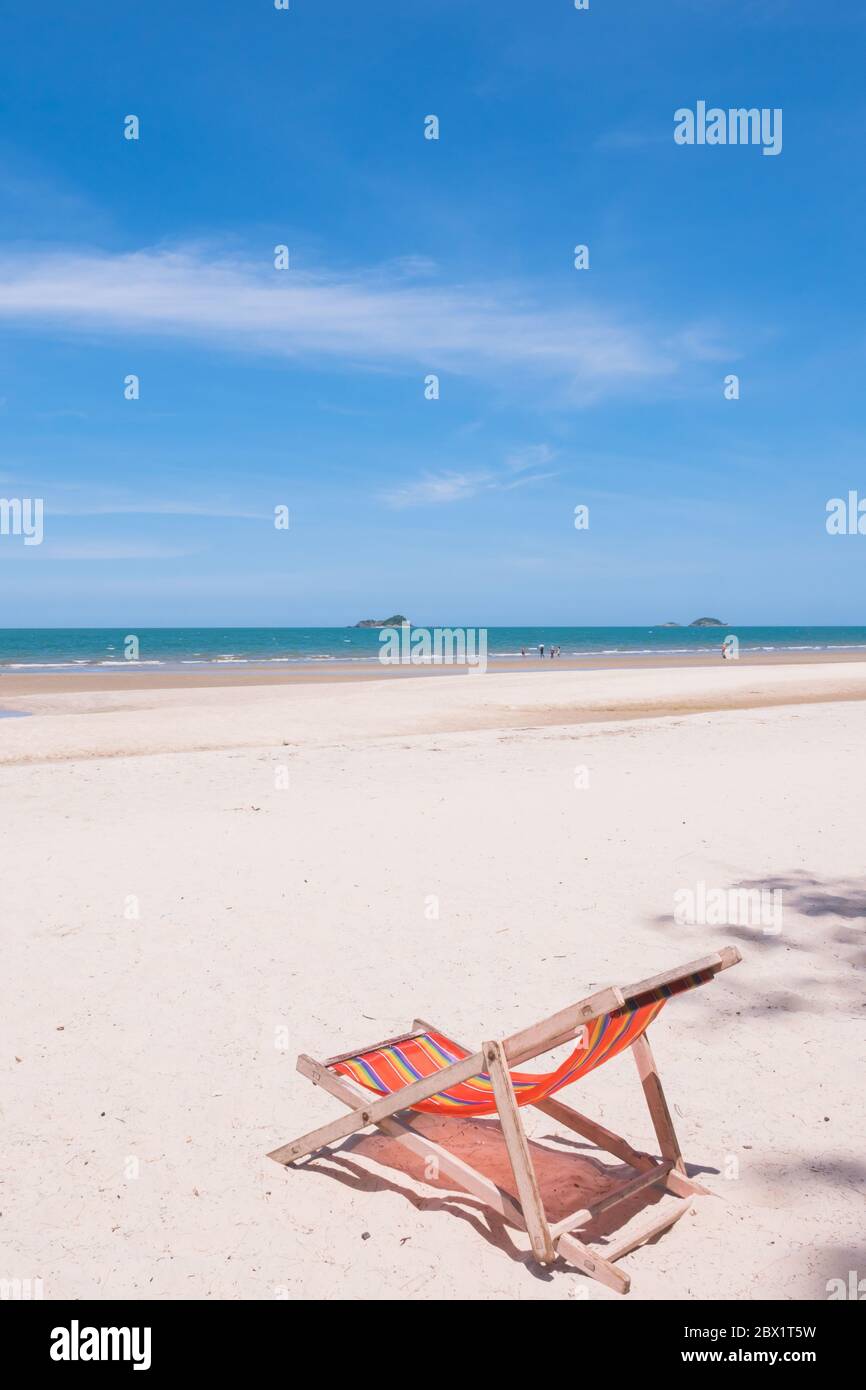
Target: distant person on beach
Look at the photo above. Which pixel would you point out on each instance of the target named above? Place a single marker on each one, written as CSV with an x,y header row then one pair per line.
x,y
523,651
541,650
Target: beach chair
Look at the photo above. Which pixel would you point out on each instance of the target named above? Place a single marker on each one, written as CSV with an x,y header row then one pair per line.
x,y
427,1071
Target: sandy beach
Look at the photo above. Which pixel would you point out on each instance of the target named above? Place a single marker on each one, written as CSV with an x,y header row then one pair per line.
x,y
218,675
202,882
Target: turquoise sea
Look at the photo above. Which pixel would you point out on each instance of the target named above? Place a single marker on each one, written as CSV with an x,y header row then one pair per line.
x,y
92,649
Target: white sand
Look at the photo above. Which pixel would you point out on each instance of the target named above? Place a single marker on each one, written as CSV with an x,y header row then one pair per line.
x,y
299,916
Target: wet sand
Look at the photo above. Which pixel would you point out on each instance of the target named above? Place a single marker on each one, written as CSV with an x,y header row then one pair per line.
x,y
146,678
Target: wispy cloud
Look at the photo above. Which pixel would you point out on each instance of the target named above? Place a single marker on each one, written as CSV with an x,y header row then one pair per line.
x,y
525,479
531,456
98,550
436,488
160,508
377,319
634,139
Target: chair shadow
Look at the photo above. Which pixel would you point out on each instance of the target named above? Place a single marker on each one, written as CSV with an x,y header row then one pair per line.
x,y
570,1178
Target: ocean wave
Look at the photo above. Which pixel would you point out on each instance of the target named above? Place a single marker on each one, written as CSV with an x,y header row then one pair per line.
x,y
257,651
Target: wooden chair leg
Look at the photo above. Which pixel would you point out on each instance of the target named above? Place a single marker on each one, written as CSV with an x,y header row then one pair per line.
x,y
571,1248
658,1222
402,1129
518,1152
658,1106
614,1144
591,1263
677,1181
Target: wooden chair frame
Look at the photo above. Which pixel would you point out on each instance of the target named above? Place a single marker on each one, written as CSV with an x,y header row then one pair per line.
x,y
526,1210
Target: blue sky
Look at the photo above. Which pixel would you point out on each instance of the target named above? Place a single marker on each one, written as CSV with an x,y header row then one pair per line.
x,y
408,257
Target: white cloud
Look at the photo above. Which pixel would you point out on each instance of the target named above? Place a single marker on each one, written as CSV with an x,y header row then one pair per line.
x,y
93,550
113,550
379,319
435,488
161,508
633,139
526,478
531,456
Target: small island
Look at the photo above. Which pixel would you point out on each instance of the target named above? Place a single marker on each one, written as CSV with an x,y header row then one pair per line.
x,y
698,622
396,621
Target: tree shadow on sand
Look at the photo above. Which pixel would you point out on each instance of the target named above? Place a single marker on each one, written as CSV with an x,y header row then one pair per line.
x,y
823,917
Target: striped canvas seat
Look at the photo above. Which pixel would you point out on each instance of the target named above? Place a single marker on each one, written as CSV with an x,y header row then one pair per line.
x,y
386,1069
